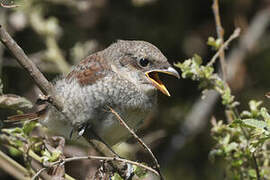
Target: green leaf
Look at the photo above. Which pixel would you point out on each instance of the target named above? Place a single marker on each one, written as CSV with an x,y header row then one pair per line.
x,y
14,152
252,173
254,105
256,124
29,126
140,172
55,155
116,176
13,131
237,163
197,59
215,43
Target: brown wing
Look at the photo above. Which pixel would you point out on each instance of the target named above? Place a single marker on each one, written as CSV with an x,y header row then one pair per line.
x,y
89,70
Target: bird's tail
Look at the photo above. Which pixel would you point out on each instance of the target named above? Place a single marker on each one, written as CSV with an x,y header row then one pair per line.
x,y
22,118
29,116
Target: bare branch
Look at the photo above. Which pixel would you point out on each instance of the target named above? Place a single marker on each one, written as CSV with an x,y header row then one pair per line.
x,y
44,85
220,34
235,34
12,167
123,123
256,166
61,162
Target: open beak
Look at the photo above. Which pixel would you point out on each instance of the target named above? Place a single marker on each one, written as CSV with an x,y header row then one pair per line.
x,y
154,78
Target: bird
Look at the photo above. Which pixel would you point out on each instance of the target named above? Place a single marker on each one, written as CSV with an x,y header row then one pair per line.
x,y
123,77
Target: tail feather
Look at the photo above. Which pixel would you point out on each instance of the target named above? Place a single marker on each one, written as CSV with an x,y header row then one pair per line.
x,y
22,117
29,116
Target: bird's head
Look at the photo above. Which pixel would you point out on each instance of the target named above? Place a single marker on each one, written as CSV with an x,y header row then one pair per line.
x,y
141,63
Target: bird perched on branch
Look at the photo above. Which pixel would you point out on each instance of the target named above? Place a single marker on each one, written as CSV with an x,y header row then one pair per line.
x,y
123,76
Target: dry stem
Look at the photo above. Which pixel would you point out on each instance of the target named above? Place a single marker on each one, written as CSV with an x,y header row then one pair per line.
x,y
234,35
61,162
123,123
220,34
44,85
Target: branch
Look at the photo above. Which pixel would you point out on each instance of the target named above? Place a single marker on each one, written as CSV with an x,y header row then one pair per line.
x,y
123,123
220,34
12,167
256,167
62,162
235,34
44,85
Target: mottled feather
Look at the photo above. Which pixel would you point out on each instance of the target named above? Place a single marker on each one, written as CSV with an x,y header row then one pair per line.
x,y
89,70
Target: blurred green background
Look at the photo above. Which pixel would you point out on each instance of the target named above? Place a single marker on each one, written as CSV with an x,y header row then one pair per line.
x,y
58,33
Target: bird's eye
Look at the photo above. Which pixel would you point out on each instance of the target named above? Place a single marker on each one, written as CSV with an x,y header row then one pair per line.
x,y
144,62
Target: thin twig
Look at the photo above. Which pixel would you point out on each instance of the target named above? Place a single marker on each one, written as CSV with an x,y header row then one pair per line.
x,y
256,167
220,34
63,161
38,173
44,85
123,123
235,34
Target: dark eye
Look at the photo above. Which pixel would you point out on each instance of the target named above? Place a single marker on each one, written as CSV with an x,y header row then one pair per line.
x,y
144,62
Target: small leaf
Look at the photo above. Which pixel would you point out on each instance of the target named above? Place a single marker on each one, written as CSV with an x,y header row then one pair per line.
x,y
256,124
254,105
237,163
29,126
14,152
211,41
197,59
116,176
252,173
55,155
140,172
215,43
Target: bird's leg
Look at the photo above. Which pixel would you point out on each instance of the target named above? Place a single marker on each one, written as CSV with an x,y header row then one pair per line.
x,y
87,127
81,129
71,133
96,136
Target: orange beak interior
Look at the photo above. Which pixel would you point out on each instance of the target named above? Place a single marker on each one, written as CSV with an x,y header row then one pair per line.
x,y
154,78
